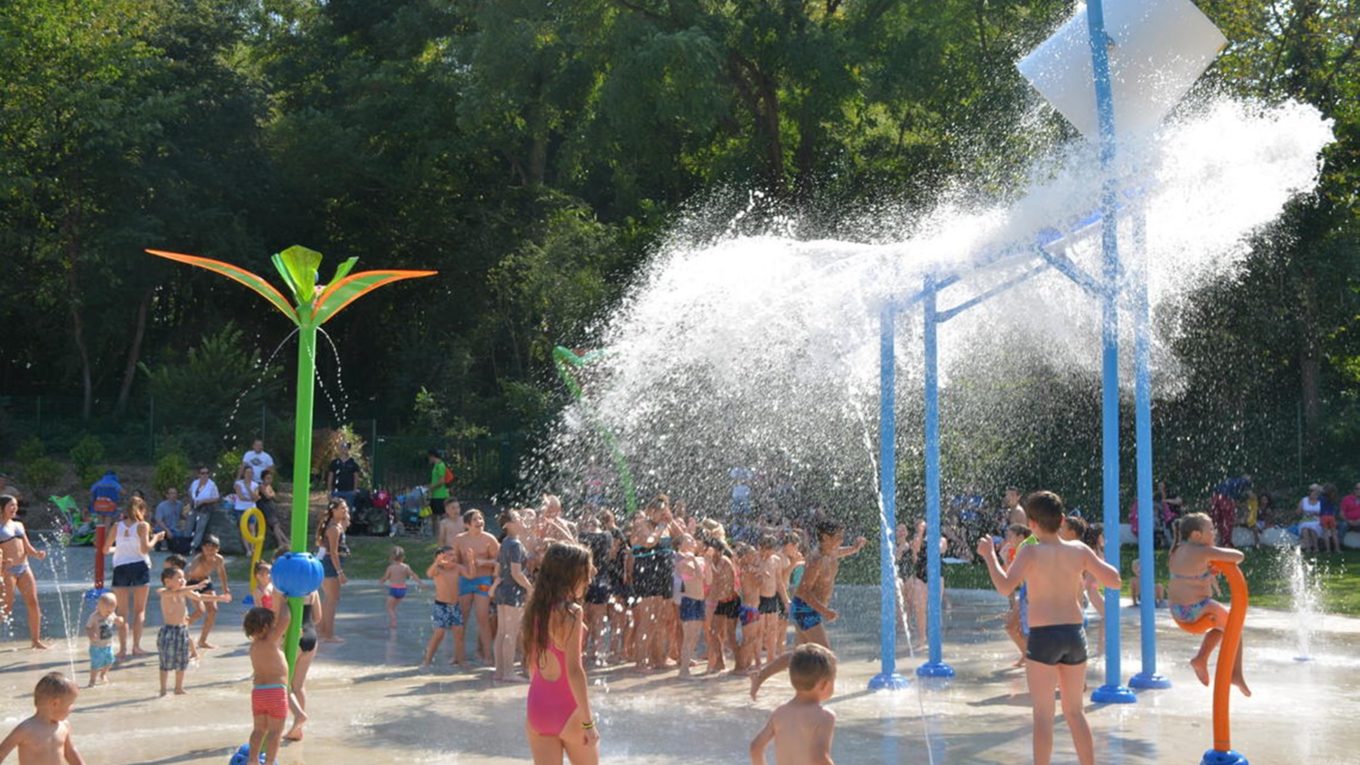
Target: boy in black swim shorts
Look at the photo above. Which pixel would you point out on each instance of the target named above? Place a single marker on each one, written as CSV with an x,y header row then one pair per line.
x,y
1052,571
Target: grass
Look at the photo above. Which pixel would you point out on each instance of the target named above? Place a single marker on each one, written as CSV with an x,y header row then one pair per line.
x,y
367,557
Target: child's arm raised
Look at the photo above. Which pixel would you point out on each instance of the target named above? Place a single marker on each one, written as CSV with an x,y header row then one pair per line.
x,y
851,549
762,742
1005,582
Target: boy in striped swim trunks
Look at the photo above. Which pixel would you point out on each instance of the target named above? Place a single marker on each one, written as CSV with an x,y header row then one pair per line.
x,y
172,642
269,698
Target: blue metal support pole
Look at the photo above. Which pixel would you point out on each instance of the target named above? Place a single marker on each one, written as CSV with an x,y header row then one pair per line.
x,y
887,678
1112,691
1147,613
935,666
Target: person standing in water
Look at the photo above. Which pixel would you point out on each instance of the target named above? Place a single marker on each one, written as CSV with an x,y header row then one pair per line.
x,y
809,609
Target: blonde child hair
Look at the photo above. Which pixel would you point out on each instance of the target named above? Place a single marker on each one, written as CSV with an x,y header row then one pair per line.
x,y
398,554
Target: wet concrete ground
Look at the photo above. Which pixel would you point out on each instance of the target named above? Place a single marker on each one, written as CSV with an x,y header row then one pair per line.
x,y
370,704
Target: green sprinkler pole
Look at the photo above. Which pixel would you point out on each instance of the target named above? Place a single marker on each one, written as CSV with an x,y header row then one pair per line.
x,y
302,467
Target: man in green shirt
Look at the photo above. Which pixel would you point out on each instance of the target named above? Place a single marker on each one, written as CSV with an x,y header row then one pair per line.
x,y
439,489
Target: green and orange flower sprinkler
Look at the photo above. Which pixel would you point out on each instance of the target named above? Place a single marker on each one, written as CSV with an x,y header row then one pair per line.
x,y
298,574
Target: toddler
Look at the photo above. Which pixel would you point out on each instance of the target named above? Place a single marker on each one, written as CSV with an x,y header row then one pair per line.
x,y
172,642
395,578
802,728
269,698
100,628
46,736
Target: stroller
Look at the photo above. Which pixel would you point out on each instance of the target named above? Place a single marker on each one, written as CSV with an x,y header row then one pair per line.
x,y
410,513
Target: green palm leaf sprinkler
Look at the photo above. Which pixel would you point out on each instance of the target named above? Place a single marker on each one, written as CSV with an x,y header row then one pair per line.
x,y
565,361
312,306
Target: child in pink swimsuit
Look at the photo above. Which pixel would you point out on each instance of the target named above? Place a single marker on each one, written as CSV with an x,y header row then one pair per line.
x,y
559,718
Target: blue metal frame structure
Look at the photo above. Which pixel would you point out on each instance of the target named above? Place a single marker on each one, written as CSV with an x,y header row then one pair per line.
x,y
935,666
1113,691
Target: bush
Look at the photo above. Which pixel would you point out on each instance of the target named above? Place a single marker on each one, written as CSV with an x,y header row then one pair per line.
x,y
220,376
172,469
42,475
225,470
31,450
326,447
86,457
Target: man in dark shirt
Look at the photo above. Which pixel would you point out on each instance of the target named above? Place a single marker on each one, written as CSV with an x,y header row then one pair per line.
x,y
342,475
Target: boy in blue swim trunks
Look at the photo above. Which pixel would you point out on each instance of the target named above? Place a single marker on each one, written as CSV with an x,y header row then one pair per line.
x,y
446,615
810,608
478,552
1052,571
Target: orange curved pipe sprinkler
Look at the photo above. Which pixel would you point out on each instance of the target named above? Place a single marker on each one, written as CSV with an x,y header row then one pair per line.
x,y
1222,753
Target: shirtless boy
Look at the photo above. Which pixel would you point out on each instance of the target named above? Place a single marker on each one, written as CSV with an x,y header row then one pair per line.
x,y
1055,654
802,728
446,615
809,607
450,524
269,695
172,642
477,551
199,577
45,738
773,598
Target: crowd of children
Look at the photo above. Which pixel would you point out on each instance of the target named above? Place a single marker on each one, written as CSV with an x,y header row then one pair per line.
x,y
567,597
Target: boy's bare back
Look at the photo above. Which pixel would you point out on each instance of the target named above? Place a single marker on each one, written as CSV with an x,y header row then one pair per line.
x,y
802,731
1052,572
268,663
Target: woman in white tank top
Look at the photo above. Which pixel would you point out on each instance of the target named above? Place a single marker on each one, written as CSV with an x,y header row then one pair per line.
x,y
1311,527
132,543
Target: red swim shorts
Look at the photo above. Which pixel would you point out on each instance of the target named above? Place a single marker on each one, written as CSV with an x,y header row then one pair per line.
x,y
1328,521
270,701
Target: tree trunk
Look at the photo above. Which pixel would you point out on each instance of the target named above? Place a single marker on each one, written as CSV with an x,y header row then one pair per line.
x,y
1310,366
134,352
78,334
71,233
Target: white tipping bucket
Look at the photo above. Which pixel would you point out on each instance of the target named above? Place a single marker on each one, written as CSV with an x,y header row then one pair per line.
x,y
1158,48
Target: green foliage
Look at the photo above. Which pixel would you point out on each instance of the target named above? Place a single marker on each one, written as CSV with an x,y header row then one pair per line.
x,y
535,153
42,474
226,469
86,457
172,469
326,447
31,449
220,377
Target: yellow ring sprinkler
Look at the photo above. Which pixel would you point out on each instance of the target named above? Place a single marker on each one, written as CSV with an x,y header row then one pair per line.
x,y
252,534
